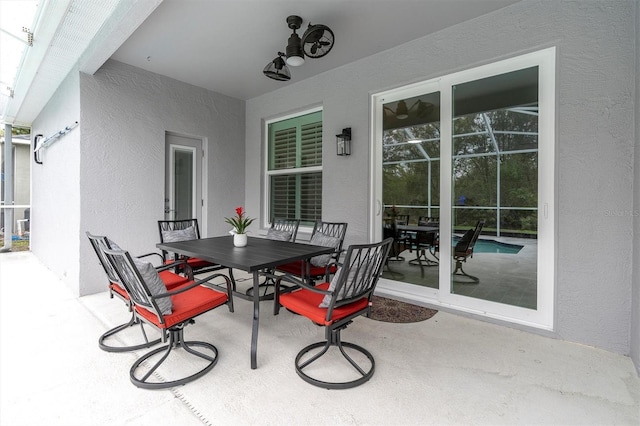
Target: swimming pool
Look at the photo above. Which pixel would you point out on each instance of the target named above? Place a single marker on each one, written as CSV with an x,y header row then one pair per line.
x,y
493,246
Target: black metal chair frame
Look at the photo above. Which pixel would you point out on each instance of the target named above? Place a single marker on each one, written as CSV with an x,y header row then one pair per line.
x,y
98,243
333,229
360,273
142,297
423,243
279,224
174,225
464,250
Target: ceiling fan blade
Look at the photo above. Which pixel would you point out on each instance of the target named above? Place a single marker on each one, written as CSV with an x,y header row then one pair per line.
x,y
314,48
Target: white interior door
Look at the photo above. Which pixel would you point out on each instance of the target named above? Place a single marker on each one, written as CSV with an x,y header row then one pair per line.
x,y
183,178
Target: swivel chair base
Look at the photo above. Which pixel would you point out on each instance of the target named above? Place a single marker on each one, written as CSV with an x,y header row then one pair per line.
x,y
176,339
366,374
102,340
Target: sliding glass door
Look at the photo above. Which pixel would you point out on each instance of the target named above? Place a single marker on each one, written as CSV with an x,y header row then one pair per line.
x,y
464,184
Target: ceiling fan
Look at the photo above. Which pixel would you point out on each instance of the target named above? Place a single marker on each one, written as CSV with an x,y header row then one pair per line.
x,y
316,42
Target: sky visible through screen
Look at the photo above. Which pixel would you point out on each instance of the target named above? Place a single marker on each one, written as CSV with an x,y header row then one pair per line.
x,y
14,15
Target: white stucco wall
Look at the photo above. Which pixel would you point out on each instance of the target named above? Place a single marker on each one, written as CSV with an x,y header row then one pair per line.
x,y
125,113
596,70
55,195
635,297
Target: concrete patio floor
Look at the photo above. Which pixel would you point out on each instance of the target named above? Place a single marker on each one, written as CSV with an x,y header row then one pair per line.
x,y
446,370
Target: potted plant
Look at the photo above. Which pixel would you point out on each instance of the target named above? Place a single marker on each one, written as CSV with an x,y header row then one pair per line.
x,y
240,222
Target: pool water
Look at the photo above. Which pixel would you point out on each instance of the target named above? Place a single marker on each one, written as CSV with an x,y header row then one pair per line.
x,y
492,246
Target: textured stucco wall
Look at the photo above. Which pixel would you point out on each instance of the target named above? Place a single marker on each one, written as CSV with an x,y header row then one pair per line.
x,y
595,120
125,113
55,195
635,298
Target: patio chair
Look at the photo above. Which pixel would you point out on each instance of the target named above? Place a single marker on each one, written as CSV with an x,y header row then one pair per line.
x,y
281,230
464,250
170,312
424,242
400,241
327,234
116,288
402,219
335,305
184,230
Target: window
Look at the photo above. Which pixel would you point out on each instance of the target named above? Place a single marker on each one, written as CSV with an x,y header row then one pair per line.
x,y
294,171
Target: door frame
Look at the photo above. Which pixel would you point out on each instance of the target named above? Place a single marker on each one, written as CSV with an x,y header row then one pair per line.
x,y
542,317
198,145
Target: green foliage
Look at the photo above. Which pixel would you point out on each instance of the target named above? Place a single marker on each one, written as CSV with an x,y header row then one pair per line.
x,y
16,131
482,160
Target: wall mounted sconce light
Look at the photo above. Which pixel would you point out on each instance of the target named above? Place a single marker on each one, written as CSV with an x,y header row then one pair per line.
x,y
343,142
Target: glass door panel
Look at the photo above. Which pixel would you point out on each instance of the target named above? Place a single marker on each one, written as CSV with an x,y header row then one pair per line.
x,y
183,178
183,190
473,152
494,188
411,188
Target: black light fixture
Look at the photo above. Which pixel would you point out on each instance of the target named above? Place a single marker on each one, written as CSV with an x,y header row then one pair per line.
x,y
402,112
343,142
295,55
277,69
316,42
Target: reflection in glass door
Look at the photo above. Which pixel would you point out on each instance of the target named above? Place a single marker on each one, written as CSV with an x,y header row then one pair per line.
x,y
464,183
411,188
494,161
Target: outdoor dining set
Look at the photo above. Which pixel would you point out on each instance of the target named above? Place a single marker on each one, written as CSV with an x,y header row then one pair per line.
x,y
318,280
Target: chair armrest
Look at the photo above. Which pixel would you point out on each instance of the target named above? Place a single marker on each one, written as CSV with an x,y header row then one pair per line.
x,y
150,254
182,263
197,283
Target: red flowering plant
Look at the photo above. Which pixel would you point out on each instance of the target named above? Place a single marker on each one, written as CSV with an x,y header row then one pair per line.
x,y
240,221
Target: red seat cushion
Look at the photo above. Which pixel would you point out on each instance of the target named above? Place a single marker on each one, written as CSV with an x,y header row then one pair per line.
x,y
172,280
305,302
118,289
297,267
195,263
187,305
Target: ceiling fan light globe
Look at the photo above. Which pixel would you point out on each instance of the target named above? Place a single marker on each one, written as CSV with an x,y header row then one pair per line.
x,y
402,112
295,61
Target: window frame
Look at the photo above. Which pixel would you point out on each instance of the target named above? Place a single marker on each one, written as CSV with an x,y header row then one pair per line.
x,y
266,220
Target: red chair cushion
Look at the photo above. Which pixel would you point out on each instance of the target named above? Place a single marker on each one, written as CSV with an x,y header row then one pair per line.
x,y
305,302
295,268
194,263
187,305
117,289
172,280
197,263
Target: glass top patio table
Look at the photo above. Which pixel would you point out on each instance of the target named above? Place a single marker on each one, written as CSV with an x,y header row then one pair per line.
x,y
259,254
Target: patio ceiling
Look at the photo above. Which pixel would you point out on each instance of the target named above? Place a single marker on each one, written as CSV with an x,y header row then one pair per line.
x,y
219,45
